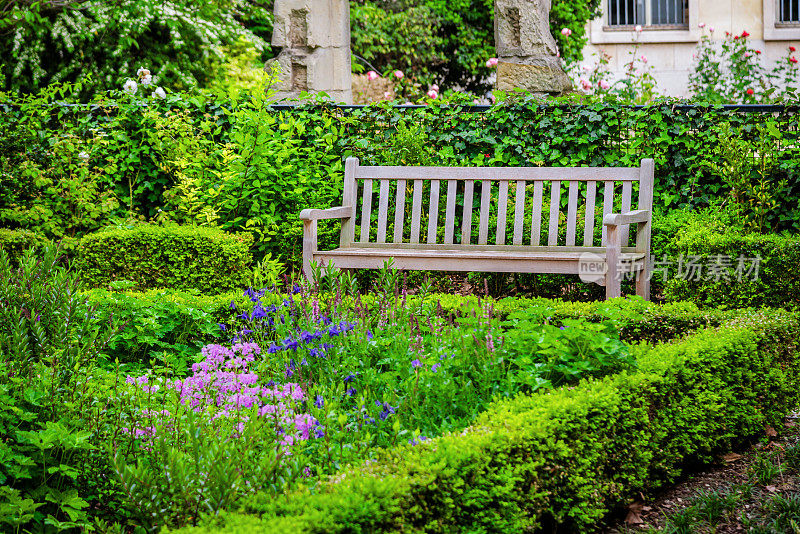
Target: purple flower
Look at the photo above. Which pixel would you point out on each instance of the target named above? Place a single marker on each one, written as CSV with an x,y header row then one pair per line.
x,y
303,361
387,411
290,343
222,326
295,289
320,402
350,392
369,335
349,377
415,442
272,349
38,317
416,363
233,305
435,367
258,312
244,316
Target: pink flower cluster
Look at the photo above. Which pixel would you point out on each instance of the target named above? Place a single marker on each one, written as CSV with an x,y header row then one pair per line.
x,y
223,383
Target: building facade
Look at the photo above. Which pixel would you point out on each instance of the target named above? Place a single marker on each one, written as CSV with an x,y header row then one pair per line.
x,y
670,30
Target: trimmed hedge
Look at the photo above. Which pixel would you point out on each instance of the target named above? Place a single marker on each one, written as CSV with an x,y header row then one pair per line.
x,y
777,283
563,458
13,242
175,257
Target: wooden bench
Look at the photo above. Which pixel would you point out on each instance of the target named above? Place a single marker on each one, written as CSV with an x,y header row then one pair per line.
x,y
425,192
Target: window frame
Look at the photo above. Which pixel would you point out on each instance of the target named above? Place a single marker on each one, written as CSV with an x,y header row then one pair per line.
x,y
775,30
602,33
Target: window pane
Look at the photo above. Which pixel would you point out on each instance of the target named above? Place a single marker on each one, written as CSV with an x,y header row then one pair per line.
x,y
621,12
669,12
789,11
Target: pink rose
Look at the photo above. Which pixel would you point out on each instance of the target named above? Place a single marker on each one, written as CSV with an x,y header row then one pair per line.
x,y
585,84
566,32
372,75
398,74
711,29
701,25
387,95
637,28
644,58
432,94
604,85
491,62
435,87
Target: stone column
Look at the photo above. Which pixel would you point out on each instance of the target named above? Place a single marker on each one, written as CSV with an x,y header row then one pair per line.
x,y
526,51
315,36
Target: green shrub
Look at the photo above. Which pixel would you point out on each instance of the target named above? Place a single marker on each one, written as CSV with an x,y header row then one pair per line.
x,y
14,242
177,257
562,459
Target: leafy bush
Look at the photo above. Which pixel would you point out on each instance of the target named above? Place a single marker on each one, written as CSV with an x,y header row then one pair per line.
x,y
177,257
50,341
562,459
14,242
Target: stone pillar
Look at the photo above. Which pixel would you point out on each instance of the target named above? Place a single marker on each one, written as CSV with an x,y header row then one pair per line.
x,y
526,51
315,36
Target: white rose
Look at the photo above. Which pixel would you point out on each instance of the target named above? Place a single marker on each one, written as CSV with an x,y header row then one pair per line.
x,y
159,93
130,87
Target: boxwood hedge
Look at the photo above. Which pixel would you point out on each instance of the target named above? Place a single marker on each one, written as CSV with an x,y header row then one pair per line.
x,y
565,458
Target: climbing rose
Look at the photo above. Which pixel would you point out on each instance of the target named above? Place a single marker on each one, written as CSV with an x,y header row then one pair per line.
x,y
792,49
159,93
750,91
793,59
644,58
491,62
745,34
566,32
701,25
130,87
398,74
585,84
435,87
604,85
372,75
432,94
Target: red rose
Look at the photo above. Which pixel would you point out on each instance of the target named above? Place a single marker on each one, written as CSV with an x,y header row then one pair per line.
x,y
792,49
745,34
758,51
750,91
793,59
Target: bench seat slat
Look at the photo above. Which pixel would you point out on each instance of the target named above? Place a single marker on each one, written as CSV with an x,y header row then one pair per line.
x,y
626,207
588,223
608,207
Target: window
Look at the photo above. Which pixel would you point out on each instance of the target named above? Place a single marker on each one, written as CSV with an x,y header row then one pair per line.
x,y
788,12
650,13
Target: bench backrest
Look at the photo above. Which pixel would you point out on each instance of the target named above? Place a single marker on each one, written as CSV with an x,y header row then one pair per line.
x,y
422,206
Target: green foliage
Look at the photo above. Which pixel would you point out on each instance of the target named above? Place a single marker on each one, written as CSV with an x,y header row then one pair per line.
x,y
46,42
178,257
15,242
50,340
563,458
729,71
574,15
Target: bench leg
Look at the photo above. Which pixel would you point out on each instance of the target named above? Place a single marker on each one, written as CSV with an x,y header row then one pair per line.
x,y
643,280
309,246
613,278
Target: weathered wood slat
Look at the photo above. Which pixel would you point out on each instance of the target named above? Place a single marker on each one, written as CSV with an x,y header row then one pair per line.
x,y
433,211
399,211
450,212
416,210
519,212
588,222
626,206
366,211
502,206
483,224
608,207
466,223
383,210
536,214
555,208
604,174
572,213
487,248
348,233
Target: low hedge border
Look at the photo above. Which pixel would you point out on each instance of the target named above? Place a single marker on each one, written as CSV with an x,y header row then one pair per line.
x,y
13,242
565,457
178,257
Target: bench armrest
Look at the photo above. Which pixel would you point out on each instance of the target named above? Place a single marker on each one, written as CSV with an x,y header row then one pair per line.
x,y
339,212
629,217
